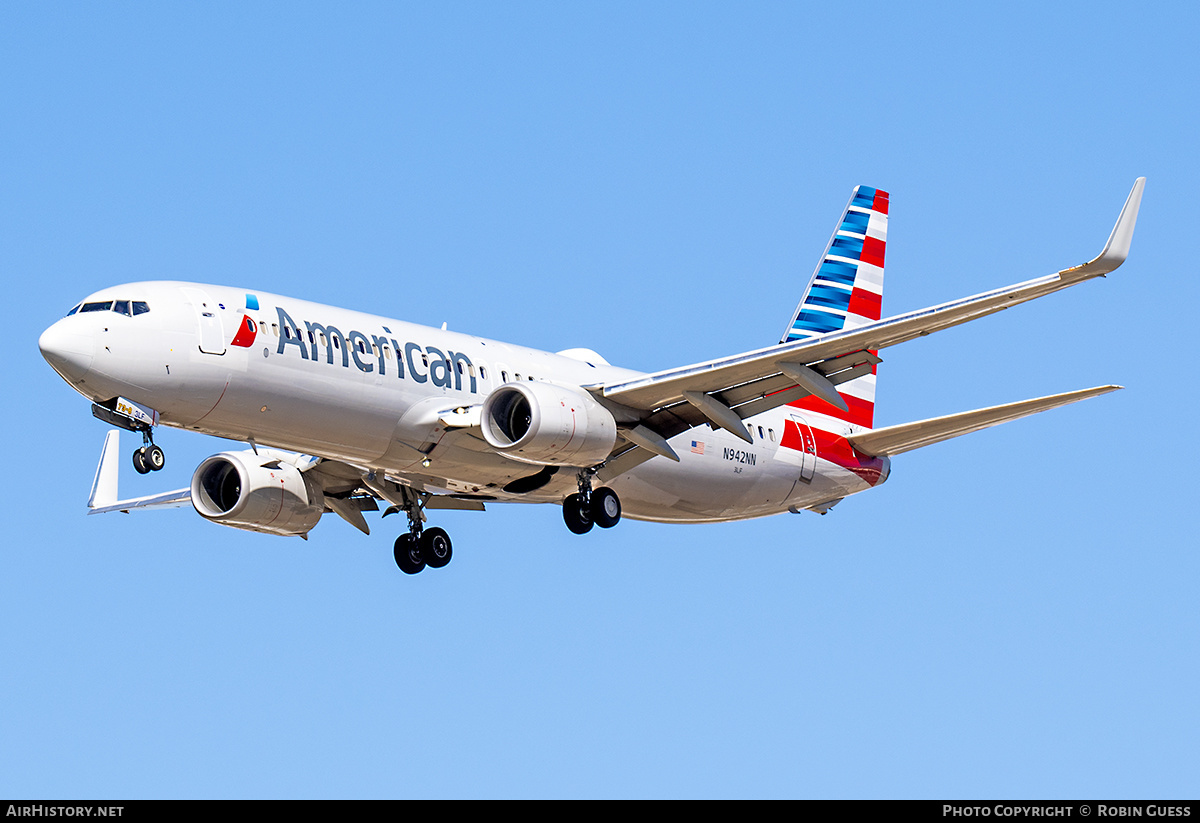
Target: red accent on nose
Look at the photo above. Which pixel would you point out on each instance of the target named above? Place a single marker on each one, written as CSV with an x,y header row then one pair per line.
x,y
245,334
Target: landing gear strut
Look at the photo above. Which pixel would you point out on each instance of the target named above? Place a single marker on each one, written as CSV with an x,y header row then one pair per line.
x,y
420,547
590,508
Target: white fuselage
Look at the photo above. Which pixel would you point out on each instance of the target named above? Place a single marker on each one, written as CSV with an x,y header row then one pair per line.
x,y
385,395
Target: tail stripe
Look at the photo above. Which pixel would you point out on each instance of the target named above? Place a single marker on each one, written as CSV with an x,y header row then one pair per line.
x,y
856,222
836,272
829,296
816,322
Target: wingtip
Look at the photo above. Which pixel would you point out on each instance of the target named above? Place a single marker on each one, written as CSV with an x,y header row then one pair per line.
x,y
1116,250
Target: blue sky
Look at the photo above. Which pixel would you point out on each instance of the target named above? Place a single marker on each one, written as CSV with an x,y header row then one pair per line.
x,y
1013,614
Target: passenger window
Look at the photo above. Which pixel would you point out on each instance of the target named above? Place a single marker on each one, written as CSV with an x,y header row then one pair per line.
x,y
771,434
761,436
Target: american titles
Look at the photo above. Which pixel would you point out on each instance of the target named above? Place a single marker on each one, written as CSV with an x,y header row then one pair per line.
x,y
317,341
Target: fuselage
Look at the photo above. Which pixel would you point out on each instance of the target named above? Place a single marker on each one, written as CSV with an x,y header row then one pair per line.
x,y
391,396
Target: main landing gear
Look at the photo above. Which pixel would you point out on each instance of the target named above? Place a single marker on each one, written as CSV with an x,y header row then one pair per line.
x,y
421,547
430,547
590,508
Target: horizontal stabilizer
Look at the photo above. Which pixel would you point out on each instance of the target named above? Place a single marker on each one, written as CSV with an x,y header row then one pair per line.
x,y
908,436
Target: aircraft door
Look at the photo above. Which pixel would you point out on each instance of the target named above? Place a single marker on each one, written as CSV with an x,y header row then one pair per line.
x,y
799,437
212,330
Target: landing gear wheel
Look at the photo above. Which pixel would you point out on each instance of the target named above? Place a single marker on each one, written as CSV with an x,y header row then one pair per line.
x,y
435,547
605,508
154,458
578,517
139,461
408,554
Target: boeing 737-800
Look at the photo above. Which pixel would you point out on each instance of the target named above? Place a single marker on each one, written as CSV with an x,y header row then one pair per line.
x,y
343,409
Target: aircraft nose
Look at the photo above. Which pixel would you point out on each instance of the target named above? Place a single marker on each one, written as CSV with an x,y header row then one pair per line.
x,y
67,351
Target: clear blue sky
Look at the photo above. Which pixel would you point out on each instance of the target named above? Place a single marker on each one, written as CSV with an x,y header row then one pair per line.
x,y
1014,614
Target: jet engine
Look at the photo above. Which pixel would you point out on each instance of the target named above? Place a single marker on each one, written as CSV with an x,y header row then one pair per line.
x,y
261,492
547,425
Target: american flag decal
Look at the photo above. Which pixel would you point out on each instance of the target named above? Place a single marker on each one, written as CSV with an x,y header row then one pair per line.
x,y
697,447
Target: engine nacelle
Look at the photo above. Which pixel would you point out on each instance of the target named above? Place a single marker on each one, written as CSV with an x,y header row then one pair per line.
x,y
262,492
547,425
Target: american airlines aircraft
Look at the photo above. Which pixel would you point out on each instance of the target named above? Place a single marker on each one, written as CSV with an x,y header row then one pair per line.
x,y
343,409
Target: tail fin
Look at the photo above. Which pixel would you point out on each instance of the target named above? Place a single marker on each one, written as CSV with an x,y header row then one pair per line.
x,y
846,291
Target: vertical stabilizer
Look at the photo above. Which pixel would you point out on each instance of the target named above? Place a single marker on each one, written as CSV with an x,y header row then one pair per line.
x,y
846,291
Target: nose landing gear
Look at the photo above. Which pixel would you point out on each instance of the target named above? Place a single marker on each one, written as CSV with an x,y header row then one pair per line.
x,y
132,417
149,458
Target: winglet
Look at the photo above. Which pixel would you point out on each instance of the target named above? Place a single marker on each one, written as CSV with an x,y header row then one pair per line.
x,y
1117,247
104,486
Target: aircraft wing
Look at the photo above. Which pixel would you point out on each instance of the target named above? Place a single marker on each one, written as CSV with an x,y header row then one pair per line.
x,y
725,391
103,498
348,490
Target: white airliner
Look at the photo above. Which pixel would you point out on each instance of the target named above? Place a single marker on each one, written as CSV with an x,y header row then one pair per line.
x,y
342,409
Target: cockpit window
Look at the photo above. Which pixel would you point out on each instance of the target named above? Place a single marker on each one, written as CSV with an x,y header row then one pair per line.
x,y
129,308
